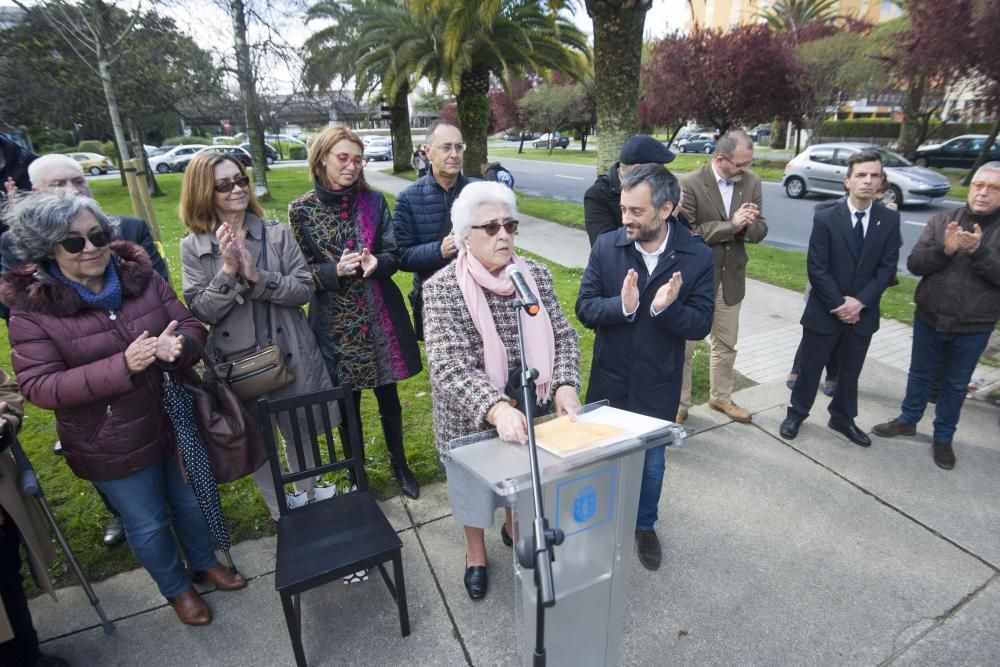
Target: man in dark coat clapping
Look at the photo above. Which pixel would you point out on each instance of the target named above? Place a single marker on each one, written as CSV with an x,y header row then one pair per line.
x,y
647,289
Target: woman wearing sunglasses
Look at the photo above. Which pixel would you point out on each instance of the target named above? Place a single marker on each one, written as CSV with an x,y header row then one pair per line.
x,y
470,329
364,331
92,329
247,280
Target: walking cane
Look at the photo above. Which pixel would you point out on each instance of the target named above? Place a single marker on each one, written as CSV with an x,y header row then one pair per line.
x,y
31,487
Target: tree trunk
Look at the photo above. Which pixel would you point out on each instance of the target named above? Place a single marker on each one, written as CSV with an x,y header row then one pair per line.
x,y
984,155
909,129
778,139
474,117
399,127
139,148
617,63
248,87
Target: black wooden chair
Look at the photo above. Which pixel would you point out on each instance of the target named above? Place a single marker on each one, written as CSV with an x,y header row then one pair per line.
x,y
327,539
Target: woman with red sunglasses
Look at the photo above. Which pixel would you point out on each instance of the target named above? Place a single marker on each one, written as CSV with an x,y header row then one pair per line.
x,y
345,231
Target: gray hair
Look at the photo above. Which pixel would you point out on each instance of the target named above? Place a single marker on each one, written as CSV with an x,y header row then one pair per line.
x,y
39,165
663,185
732,140
37,222
988,166
472,197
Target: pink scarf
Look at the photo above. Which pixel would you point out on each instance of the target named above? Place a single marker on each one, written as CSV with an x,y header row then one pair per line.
x,y
539,341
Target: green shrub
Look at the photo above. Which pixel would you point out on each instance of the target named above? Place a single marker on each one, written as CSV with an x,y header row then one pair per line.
x,y
108,150
56,148
864,128
177,141
91,146
296,152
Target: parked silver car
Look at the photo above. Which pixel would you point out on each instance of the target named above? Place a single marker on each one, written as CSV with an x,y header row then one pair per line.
x,y
821,169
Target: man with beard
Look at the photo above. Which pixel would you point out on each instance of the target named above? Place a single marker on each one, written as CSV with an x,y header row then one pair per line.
x,y
647,289
723,203
957,307
601,212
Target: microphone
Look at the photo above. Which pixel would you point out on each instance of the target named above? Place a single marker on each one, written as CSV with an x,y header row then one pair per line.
x,y
528,300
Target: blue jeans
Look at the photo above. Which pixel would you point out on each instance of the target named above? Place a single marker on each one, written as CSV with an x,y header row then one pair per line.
x,y
955,356
652,484
149,501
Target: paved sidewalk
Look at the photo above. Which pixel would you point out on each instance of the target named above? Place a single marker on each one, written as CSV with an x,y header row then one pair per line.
x,y
776,553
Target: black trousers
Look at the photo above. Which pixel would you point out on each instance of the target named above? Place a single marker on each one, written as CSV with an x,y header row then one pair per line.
x,y
817,348
22,650
387,396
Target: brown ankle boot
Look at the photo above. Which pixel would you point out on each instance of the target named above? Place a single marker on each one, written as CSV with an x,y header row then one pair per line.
x,y
219,576
190,608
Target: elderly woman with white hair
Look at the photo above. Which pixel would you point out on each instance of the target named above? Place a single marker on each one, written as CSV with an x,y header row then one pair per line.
x,y
472,353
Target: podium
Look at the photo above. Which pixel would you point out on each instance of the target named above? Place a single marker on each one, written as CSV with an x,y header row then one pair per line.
x,y
593,496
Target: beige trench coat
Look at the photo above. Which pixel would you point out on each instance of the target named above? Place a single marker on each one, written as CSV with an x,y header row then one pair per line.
x,y
22,509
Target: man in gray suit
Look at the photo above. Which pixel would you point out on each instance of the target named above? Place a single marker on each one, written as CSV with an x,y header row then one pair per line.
x,y
723,202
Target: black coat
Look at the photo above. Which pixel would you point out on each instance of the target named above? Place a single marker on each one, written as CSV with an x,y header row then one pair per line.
x,y
836,270
638,363
602,205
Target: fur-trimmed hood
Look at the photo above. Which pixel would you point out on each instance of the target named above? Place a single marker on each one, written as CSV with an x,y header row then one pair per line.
x,y
30,288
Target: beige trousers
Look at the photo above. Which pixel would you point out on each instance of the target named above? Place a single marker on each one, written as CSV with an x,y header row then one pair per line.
x,y
725,331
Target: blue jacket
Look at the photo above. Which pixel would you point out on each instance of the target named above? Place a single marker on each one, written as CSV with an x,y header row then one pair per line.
x,y
421,219
638,363
836,270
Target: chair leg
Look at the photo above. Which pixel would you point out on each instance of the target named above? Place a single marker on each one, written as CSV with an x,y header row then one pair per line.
x,y
397,574
293,619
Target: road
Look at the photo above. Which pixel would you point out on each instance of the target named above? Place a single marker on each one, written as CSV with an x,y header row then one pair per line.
x,y
789,220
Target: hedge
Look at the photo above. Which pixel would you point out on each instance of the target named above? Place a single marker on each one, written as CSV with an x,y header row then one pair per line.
x,y
91,146
177,141
874,127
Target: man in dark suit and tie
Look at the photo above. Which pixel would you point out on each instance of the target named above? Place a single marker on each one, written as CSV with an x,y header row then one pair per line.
x,y
852,258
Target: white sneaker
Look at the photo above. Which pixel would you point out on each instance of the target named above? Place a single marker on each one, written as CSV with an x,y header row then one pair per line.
x,y
296,500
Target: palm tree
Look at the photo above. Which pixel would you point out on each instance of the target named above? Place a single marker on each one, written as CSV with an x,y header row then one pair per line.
x,y
791,16
618,26
500,38
384,47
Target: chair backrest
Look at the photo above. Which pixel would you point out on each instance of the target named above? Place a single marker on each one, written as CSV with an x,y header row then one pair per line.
x,y
309,423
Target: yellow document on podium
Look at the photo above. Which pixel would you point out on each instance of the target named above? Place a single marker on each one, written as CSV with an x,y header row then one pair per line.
x,y
563,437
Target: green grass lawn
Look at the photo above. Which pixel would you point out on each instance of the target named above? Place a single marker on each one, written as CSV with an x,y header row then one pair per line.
x,y
78,508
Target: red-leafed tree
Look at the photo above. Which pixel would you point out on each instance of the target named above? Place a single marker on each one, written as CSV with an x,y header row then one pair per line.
x,y
730,78
662,103
986,57
928,53
504,99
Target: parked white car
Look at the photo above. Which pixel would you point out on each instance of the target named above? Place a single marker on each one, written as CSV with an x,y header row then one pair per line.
x,y
163,164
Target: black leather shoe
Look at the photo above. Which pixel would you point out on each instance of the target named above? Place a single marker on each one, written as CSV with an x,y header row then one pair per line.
x,y
790,428
114,532
476,581
851,432
505,536
944,455
648,547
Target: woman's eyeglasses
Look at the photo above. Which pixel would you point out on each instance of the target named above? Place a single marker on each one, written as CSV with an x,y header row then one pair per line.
x,y
343,159
75,244
228,185
493,228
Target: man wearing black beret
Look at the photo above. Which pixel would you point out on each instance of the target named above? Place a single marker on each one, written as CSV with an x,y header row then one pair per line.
x,y
601,203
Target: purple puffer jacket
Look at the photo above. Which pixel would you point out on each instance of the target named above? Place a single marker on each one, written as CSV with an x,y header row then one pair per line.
x,y
69,357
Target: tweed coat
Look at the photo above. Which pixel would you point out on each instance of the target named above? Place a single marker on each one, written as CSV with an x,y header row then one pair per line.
x,y
460,391
703,208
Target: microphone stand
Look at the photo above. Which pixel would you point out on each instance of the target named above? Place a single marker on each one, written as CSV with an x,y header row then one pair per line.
x,y
536,551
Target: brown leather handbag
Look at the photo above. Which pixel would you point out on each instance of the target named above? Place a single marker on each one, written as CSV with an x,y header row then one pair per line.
x,y
233,440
